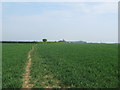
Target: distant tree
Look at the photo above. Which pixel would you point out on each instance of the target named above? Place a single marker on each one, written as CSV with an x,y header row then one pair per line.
x,y
44,40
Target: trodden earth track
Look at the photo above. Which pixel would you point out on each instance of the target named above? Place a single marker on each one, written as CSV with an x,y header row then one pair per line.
x,y
27,74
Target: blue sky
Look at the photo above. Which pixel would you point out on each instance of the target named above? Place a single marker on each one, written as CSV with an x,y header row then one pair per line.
x,y
88,21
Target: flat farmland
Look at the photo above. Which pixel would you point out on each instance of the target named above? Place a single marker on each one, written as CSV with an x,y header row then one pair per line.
x,y
14,57
61,65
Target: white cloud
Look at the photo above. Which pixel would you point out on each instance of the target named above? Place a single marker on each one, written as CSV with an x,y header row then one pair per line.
x,y
39,17
98,8
76,8
60,0
106,7
53,15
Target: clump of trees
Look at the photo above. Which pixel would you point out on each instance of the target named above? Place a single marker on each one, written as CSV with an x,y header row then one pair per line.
x,y
44,40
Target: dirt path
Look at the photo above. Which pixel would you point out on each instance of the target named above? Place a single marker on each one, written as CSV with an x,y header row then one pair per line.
x,y
26,75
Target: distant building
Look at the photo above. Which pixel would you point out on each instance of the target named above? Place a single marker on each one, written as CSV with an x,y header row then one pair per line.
x,y
62,40
78,42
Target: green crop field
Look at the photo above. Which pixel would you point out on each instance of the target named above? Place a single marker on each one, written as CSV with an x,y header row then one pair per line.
x,y
14,57
61,65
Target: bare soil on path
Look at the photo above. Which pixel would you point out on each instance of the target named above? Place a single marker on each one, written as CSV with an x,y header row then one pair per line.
x,y
26,75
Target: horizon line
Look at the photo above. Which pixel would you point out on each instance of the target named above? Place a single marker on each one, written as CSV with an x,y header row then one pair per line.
x,y
67,41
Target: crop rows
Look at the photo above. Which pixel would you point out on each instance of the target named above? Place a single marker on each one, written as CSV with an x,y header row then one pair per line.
x,y
75,65
61,65
13,64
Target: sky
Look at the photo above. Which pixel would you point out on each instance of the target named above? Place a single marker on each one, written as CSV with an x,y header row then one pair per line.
x,y
60,0
72,21
0,21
